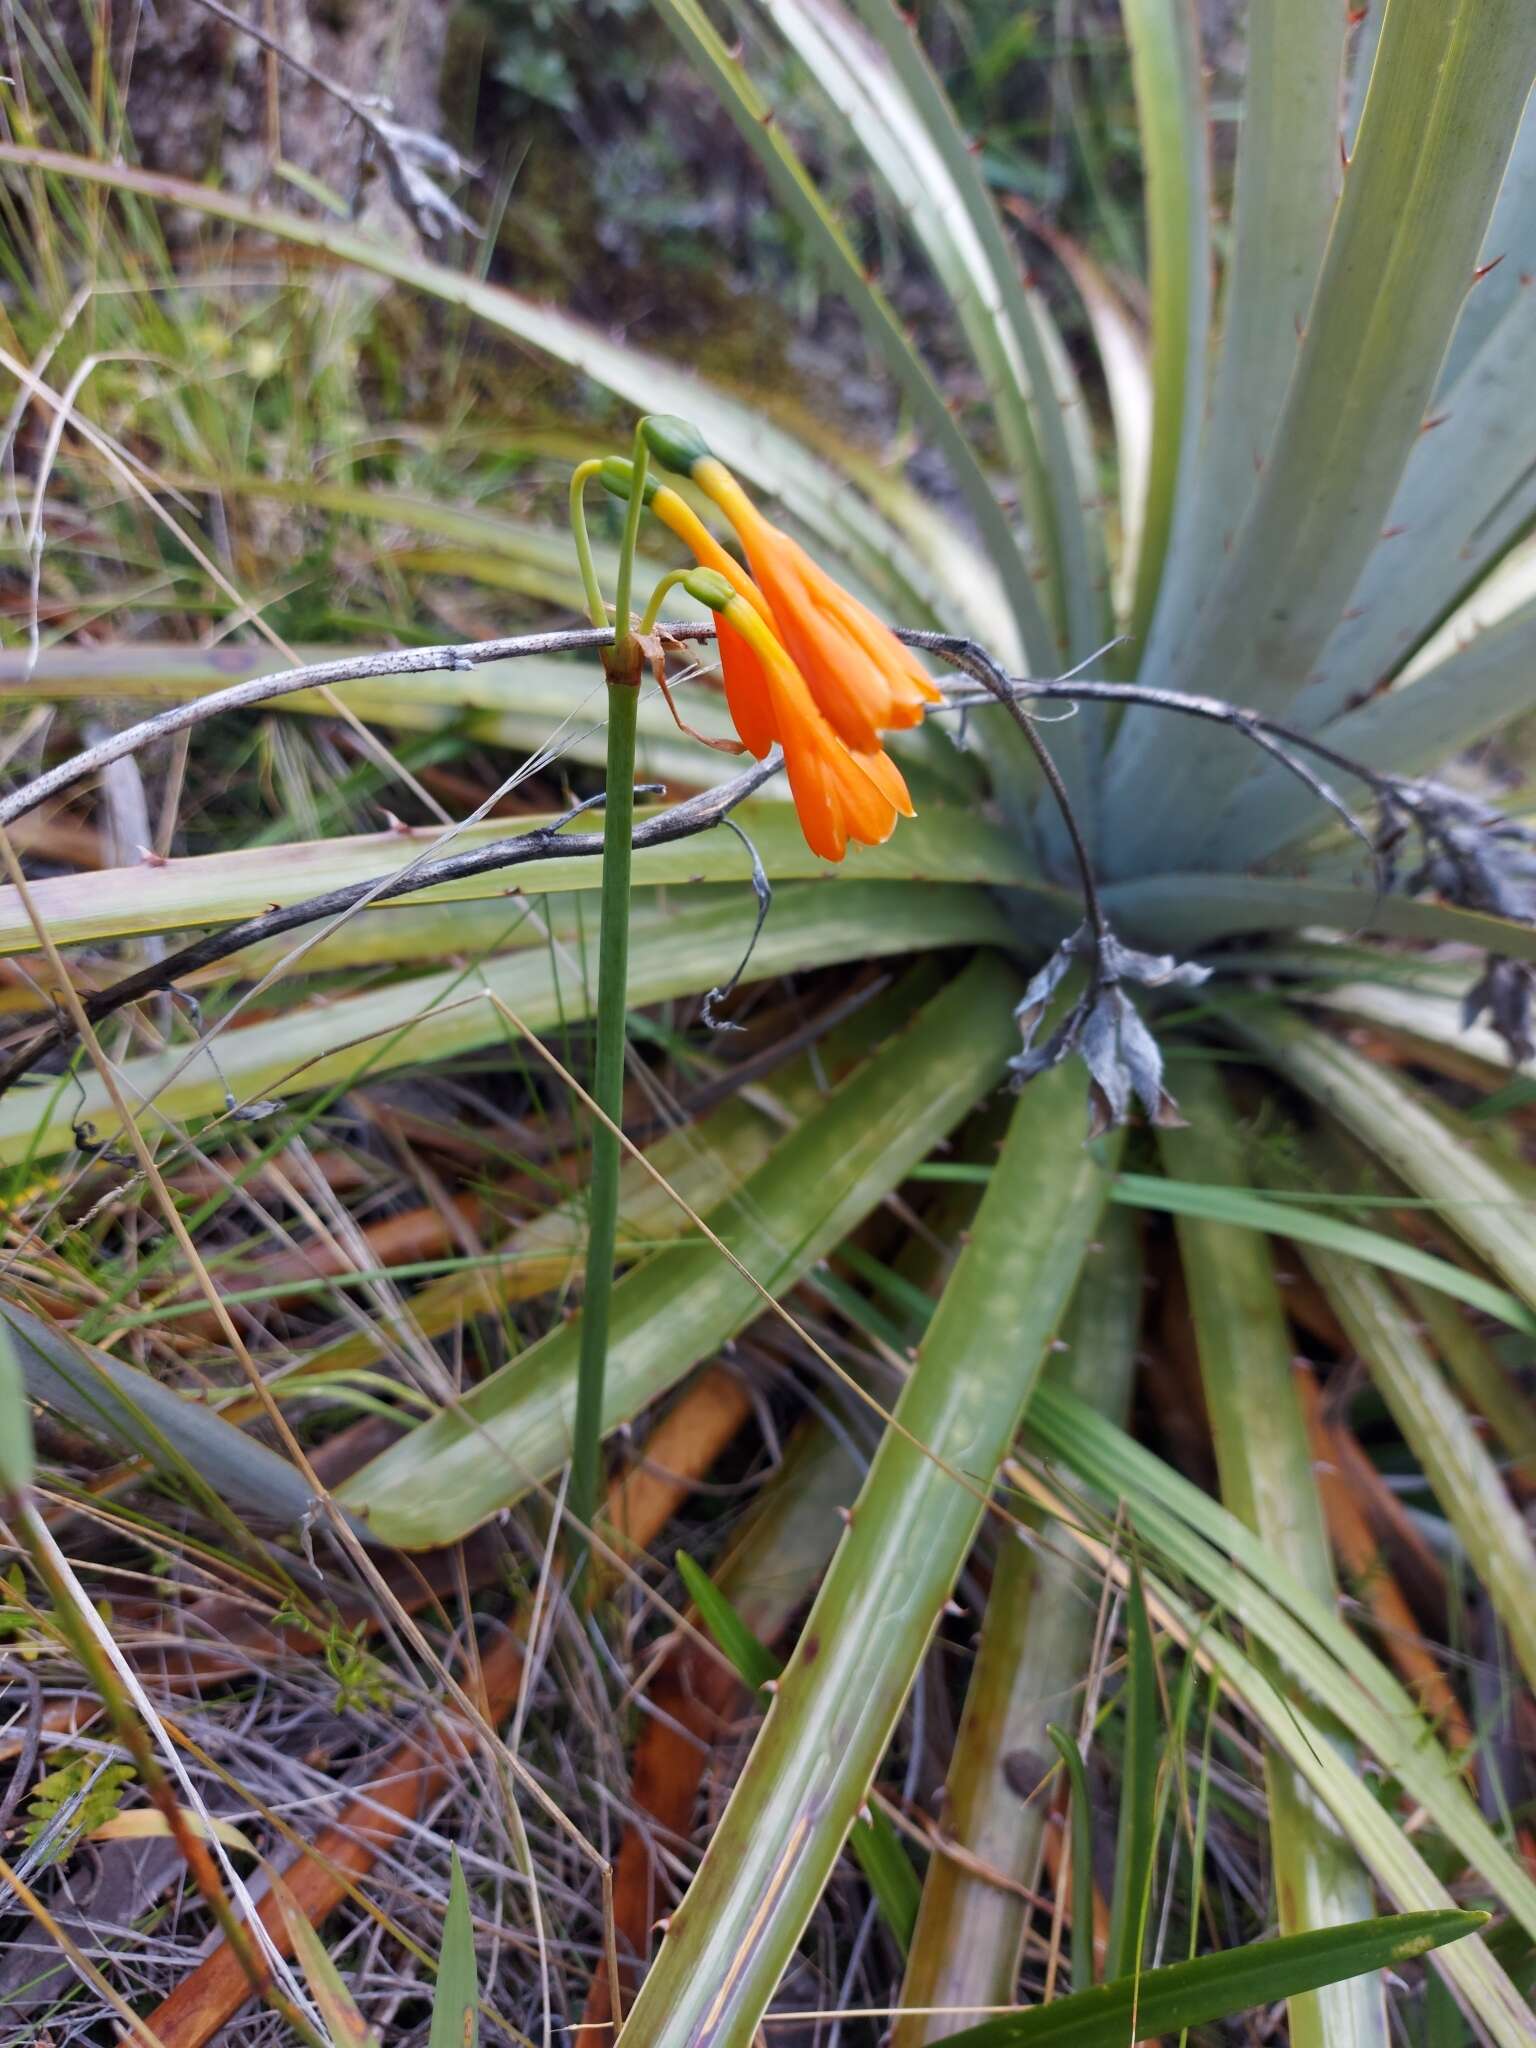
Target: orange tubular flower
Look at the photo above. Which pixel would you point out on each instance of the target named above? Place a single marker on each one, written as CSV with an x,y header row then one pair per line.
x,y
859,673
861,676
839,794
805,664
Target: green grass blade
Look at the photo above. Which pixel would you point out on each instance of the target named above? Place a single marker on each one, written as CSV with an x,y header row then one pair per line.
x,y
1212,1987
681,1304
1136,1839
1332,1666
861,1646
1241,1209
888,1871
1187,1532
1485,1204
1446,95
797,192
753,1660
1036,1643
1267,1480
456,2000
1083,1971
1437,1428
344,2024
438,1016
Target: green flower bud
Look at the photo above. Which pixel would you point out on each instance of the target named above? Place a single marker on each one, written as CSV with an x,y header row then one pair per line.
x,y
676,444
709,587
618,475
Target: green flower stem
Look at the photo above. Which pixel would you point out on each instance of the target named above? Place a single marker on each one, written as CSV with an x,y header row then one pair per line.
x,y
597,611
608,1094
622,636
652,611
621,665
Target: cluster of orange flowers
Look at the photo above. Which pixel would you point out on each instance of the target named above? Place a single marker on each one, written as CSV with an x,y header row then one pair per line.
x,y
805,665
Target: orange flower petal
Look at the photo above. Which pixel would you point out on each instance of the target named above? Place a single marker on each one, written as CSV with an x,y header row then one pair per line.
x,y
850,691
748,692
837,798
889,780
908,677
858,672
813,785
868,814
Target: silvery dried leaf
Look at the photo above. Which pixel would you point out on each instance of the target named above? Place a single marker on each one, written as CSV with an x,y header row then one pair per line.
x,y
1504,994
409,154
1105,1027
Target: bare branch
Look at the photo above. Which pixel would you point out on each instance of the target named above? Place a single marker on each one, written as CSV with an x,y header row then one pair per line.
x,y
404,661
1423,803
545,842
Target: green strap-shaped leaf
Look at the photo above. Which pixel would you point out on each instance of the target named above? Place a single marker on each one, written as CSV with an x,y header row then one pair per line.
x,y
882,82
213,889
706,1162
1168,75
1267,1479
1287,185
437,1016
1447,92
1190,911
885,1864
1462,1476
1410,729
135,1413
1035,1652
797,192
683,1303
17,1456
1213,1987
866,1635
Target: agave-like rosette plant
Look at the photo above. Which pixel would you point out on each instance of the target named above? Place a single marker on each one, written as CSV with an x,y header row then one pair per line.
x,y
1325,460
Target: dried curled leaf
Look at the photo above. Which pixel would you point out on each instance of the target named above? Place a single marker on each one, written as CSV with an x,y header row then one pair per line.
x,y
1479,859
1104,1026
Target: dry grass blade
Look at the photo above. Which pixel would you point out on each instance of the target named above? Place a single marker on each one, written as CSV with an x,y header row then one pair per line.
x,y
680,1450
